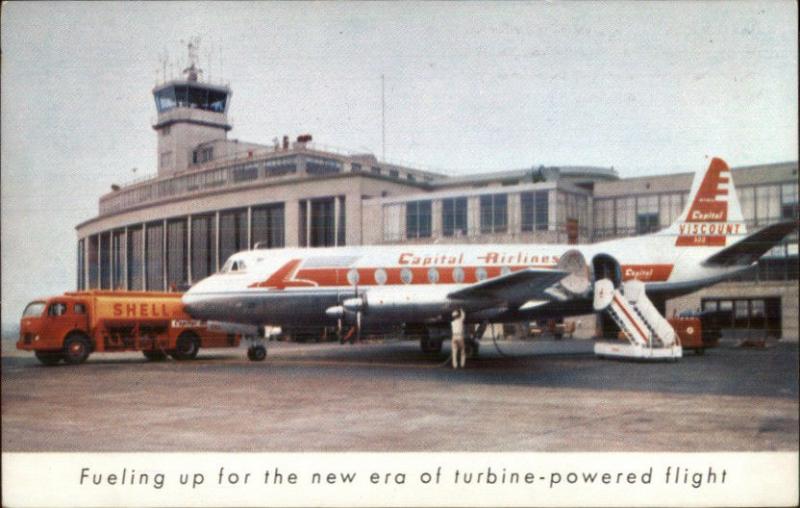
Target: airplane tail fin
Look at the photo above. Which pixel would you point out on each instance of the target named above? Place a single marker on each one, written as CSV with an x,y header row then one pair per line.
x,y
712,214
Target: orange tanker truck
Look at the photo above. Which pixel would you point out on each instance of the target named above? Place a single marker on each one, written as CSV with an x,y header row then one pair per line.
x,y
72,326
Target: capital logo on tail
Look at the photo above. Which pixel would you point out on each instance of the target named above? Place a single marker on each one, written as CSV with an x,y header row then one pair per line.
x,y
713,213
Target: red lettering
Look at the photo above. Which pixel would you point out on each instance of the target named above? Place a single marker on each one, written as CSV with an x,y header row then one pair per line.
x,y
143,310
130,310
117,309
404,258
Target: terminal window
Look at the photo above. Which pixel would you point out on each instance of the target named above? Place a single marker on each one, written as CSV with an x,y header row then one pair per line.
x,y
534,210
418,219
494,213
267,226
454,217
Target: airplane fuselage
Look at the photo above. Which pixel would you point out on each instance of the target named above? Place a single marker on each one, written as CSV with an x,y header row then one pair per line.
x,y
294,287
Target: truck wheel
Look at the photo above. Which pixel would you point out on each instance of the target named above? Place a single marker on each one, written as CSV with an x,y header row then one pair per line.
x,y
187,347
155,355
48,357
76,348
257,353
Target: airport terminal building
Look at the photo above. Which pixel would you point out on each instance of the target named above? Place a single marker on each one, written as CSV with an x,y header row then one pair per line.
x,y
213,196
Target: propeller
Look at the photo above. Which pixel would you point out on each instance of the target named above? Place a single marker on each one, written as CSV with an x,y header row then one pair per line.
x,y
358,312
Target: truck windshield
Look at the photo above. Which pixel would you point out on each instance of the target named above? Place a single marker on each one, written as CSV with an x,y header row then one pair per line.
x,y
33,309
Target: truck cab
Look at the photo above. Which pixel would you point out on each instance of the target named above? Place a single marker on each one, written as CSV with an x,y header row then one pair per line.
x,y
56,329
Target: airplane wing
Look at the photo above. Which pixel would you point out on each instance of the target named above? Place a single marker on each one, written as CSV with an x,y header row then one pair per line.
x,y
514,288
753,246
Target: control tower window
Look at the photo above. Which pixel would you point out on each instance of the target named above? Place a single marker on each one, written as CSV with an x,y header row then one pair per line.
x,y
216,101
165,99
195,97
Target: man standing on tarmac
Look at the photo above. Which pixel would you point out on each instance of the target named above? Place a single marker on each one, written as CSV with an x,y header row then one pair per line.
x,y
458,349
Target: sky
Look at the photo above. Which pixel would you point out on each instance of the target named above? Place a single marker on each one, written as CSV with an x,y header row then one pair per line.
x,y
647,88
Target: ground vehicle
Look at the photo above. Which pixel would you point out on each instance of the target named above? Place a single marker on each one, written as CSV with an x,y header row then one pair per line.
x,y
697,330
75,324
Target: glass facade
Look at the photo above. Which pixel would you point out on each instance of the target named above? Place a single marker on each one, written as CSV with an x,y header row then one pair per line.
x,y
267,226
105,261
454,217
418,219
494,213
154,256
118,259
534,210
177,267
92,258
322,166
319,225
232,233
204,246
135,251
636,215
322,233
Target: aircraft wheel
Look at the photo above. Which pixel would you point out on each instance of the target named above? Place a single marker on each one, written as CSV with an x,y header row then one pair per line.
x,y
76,348
187,347
155,355
257,353
48,357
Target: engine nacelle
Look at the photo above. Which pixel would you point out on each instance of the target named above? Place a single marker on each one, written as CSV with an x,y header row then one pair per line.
x,y
406,304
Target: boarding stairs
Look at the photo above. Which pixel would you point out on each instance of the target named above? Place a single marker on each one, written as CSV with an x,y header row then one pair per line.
x,y
649,334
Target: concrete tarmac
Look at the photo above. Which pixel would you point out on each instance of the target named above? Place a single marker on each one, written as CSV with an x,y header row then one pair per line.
x,y
526,396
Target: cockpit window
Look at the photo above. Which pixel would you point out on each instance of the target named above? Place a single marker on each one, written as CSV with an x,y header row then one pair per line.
x,y
226,267
233,265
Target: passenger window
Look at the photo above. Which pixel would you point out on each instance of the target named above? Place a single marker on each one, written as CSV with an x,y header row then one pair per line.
x,y
79,308
57,309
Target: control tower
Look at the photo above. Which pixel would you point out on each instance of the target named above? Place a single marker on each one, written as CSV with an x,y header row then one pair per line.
x,y
190,113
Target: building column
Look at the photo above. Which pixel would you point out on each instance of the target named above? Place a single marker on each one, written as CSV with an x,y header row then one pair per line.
x,y
249,227
291,225
436,219
99,261
336,221
164,260
216,241
308,223
111,259
144,256
189,249
127,261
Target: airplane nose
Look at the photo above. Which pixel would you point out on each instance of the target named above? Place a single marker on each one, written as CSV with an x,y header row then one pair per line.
x,y
190,302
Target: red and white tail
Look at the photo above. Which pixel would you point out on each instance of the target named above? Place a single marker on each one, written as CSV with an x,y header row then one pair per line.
x,y
712,214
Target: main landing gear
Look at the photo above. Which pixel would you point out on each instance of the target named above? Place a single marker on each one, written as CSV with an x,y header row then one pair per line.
x,y
257,349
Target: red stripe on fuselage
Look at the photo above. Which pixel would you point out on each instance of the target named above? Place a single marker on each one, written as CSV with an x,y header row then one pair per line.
x,y
289,276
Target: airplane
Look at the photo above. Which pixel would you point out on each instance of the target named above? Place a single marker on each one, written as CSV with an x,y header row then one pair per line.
x,y
418,286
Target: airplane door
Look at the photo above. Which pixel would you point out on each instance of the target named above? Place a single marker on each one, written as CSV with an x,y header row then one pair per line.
x,y
606,267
